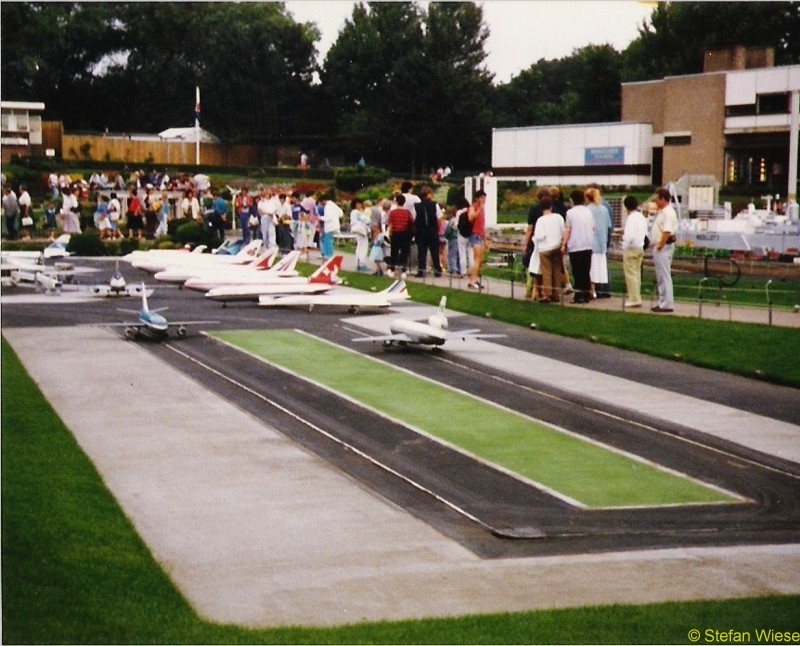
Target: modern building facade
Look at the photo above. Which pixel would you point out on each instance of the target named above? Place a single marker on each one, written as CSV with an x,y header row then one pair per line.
x,y
21,128
732,122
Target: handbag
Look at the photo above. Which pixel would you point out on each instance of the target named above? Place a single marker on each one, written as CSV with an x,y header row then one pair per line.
x,y
27,221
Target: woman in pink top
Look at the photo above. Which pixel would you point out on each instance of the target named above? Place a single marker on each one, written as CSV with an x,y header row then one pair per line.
x,y
477,239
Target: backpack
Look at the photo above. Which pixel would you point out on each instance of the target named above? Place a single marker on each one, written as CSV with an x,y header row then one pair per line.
x,y
464,225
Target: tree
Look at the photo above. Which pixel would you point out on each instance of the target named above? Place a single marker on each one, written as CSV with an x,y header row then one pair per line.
x,y
408,89
674,40
581,88
50,52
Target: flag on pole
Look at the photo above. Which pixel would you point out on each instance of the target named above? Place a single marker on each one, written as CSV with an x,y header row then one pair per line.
x,y
197,106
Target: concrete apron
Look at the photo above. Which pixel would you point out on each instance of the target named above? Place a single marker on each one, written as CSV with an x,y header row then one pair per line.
x,y
256,531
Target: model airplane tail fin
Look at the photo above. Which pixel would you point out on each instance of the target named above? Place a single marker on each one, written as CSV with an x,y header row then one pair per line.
x,y
328,272
438,320
287,263
396,291
249,251
267,259
145,307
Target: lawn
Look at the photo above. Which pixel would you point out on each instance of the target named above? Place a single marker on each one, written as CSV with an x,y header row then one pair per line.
x,y
581,472
75,571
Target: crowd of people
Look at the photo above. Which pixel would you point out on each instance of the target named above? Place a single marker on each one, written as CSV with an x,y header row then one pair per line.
x,y
576,236
561,236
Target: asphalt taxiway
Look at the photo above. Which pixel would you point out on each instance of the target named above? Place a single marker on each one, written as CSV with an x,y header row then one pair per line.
x,y
271,502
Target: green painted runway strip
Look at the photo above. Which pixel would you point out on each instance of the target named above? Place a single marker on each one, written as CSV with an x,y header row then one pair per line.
x,y
592,475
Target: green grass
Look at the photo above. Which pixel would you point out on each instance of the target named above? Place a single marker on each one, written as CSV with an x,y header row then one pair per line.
x,y
758,351
74,570
593,476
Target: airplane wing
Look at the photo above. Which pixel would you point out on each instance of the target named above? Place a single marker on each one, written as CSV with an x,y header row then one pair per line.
x,y
385,338
107,290
472,334
182,323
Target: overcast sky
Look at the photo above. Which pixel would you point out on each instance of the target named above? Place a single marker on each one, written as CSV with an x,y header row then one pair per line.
x,y
521,31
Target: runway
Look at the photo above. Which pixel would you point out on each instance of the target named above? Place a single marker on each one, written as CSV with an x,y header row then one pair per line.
x,y
398,511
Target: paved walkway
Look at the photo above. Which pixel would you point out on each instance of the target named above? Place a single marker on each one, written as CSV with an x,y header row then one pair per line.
x,y
695,309
254,530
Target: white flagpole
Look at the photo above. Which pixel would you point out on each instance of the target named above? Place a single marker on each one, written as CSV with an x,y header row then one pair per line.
x,y
197,126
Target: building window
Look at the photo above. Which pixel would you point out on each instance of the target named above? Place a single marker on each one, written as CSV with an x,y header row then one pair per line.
x,y
677,140
748,110
776,103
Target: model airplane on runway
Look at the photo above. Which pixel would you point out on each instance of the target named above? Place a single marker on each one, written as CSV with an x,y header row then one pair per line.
x,y
22,271
354,300
116,286
434,332
180,274
322,280
282,270
155,261
151,323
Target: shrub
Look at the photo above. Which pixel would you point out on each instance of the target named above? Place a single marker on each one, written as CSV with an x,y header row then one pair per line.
x,y
192,232
86,244
352,179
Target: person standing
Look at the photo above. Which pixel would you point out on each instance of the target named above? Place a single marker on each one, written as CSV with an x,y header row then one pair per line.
x,y
577,242
25,212
547,235
598,271
133,216
464,231
242,206
220,208
359,227
663,237
633,251
399,224
477,239
267,208
10,211
530,258
331,219
426,225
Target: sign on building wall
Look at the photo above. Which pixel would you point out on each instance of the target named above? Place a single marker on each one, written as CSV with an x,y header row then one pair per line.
x,y
604,155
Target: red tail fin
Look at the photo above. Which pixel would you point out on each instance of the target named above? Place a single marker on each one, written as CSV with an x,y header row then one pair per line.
x,y
328,272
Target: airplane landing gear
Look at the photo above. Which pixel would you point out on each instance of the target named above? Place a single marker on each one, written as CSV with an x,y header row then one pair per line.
x,y
181,331
131,333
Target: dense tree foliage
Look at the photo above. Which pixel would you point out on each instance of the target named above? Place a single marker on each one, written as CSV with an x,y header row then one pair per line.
x,y
405,84
582,88
673,41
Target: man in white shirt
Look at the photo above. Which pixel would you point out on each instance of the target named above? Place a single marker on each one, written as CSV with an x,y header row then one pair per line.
x,y
663,239
633,251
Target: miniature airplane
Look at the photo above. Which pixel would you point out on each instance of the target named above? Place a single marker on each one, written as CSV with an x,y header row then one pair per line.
x,y
322,280
154,261
58,248
434,332
116,286
152,323
179,274
282,270
354,300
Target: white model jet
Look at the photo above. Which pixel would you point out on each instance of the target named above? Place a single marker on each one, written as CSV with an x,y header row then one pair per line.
x,y
405,332
151,323
116,286
354,300
322,280
179,274
154,261
283,270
